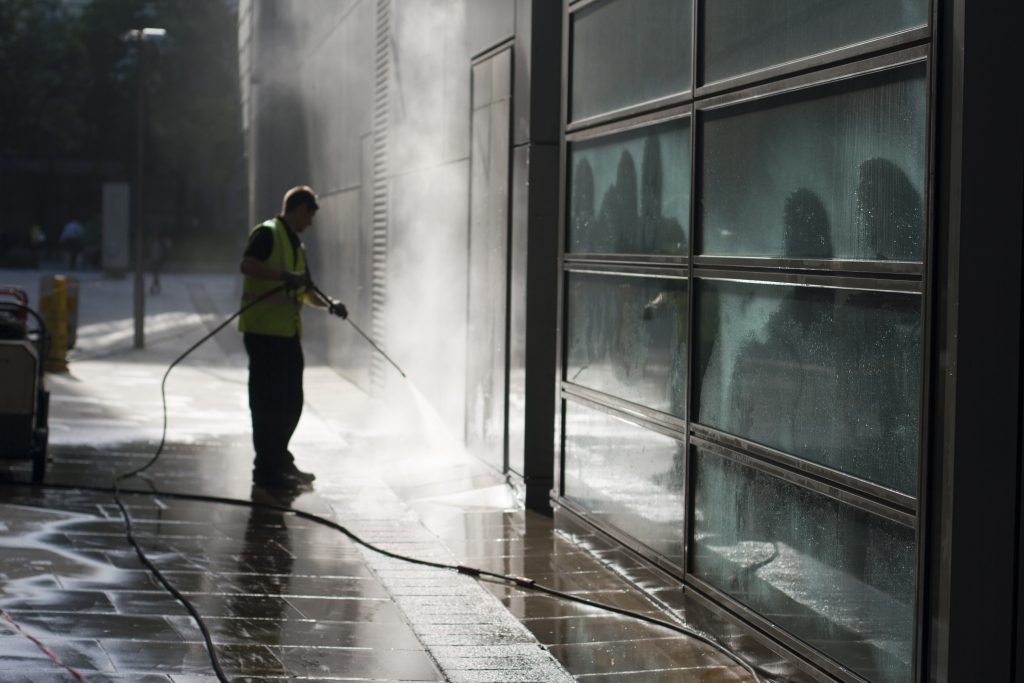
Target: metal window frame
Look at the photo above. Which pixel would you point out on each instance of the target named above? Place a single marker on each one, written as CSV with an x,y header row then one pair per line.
x,y
718,599
850,490
652,418
751,616
890,61
573,7
915,45
645,119
814,62
583,259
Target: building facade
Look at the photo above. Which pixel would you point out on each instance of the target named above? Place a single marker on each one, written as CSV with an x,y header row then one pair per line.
x,y
736,284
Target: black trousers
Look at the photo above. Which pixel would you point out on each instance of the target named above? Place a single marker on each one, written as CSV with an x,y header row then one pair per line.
x,y
275,397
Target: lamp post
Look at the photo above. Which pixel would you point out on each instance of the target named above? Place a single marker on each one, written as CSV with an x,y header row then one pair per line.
x,y
140,36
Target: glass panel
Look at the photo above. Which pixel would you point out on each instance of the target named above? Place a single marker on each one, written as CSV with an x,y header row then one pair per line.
x,y
627,476
627,337
517,309
486,388
831,172
832,376
837,577
627,52
630,192
741,36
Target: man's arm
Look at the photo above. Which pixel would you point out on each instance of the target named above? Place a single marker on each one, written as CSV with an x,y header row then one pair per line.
x,y
253,267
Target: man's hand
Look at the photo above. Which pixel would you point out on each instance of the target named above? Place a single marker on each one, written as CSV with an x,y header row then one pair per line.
x,y
337,308
294,280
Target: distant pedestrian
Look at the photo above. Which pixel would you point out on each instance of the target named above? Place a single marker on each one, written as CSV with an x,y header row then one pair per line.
x,y
71,241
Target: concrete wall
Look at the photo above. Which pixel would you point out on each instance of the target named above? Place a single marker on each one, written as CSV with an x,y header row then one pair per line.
x,y
319,117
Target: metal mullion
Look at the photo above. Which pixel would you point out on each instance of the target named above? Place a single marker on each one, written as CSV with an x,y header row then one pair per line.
x,y
675,424
851,266
509,213
696,43
908,38
558,476
670,112
805,653
649,108
803,479
843,281
634,270
630,259
574,6
492,51
921,586
904,502
844,72
642,416
692,316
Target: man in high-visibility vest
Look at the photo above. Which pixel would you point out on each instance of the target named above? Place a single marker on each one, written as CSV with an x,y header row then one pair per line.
x,y
272,331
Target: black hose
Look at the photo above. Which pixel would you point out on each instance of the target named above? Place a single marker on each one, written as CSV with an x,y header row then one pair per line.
x,y
116,490
519,581
163,382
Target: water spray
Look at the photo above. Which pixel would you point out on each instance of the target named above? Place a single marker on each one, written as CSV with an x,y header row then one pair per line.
x,y
361,333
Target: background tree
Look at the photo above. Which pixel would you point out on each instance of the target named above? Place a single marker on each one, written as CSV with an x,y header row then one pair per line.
x,y
69,93
44,69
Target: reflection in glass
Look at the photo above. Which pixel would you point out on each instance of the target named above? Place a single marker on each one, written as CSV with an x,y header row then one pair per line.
x,y
627,52
858,146
828,375
627,476
630,192
741,36
837,577
627,337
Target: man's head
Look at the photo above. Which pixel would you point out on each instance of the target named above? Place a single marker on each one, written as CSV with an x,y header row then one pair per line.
x,y
298,207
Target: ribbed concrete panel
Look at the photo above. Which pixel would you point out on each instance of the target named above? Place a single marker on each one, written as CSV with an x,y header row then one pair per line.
x,y
381,121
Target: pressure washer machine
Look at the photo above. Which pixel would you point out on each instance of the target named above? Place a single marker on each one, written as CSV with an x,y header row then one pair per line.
x,y
24,401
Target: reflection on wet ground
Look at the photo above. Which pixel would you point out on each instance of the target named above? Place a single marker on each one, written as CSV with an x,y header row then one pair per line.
x,y
286,598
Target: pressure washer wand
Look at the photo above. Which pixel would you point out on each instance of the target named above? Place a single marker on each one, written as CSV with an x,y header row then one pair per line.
x,y
363,334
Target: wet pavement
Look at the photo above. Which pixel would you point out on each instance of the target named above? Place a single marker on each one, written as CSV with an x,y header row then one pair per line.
x,y
285,597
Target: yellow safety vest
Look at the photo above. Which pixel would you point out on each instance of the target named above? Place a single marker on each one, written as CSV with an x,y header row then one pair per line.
x,y
279,315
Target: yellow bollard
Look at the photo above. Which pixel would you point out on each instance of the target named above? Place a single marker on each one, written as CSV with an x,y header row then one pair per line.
x,y
71,296
53,301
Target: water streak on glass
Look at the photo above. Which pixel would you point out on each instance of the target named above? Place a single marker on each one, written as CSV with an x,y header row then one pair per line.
x,y
627,476
630,192
627,337
627,52
831,376
836,171
741,36
837,577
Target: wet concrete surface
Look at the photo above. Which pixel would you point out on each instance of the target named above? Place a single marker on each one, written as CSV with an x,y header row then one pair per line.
x,y
284,597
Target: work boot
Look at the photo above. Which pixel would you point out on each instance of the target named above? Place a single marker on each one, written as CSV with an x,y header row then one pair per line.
x,y
290,470
274,481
